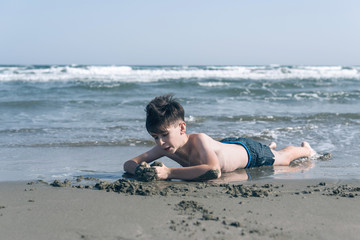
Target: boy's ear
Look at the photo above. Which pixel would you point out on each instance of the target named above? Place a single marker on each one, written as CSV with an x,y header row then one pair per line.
x,y
182,127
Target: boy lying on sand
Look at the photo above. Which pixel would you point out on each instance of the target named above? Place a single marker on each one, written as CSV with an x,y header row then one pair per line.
x,y
198,153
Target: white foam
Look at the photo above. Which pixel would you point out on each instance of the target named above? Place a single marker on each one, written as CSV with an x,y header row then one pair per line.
x,y
152,74
300,96
213,84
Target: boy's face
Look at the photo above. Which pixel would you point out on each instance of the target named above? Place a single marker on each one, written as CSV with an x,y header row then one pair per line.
x,y
172,138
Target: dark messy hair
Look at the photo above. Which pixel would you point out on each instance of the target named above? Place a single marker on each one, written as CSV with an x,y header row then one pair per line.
x,y
161,112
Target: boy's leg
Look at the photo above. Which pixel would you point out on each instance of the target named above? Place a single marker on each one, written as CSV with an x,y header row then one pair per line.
x,y
290,153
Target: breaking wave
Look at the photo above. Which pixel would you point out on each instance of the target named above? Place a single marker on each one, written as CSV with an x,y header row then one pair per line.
x,y
44,73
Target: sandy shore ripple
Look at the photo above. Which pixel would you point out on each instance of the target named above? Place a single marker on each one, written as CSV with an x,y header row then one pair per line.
x,y
129,209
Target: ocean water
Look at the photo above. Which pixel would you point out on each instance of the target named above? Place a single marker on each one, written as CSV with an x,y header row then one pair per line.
x,y
60,121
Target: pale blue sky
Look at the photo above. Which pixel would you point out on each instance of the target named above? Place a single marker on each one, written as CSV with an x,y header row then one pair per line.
x,y
203,32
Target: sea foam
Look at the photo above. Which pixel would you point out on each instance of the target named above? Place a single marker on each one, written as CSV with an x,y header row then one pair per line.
x,y
154,73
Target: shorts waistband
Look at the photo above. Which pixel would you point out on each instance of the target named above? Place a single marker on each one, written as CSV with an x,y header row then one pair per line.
x,y
242,144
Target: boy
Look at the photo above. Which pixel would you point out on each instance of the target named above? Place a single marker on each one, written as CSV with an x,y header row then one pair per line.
x,y
199,154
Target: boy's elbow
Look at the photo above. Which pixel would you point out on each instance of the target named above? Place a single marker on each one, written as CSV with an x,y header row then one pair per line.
x,y
126,166
213,173
130,166
216,172
219,174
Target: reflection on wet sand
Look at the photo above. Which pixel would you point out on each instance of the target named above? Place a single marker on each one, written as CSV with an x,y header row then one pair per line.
x,y
299,165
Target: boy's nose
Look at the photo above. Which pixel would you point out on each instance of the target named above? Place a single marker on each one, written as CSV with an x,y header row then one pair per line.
x,y
161,141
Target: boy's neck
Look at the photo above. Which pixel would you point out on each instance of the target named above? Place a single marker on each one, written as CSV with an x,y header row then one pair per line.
x,y
183,150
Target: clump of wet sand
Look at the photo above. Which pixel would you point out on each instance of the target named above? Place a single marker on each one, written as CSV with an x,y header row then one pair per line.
x,y
58,183
341,191
166,188
147,173
196,218
248,191
191,207
134,187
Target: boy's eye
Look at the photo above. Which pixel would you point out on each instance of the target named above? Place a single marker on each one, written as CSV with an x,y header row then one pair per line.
x,y
156,137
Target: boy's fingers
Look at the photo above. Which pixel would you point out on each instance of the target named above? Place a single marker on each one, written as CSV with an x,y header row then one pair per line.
x,y
161,172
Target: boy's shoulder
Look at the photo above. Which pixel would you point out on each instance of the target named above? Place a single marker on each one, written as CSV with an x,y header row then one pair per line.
x,y
199,138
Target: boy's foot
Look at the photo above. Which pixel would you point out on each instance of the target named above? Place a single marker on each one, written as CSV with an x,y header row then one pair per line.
x,y
272,145
307,145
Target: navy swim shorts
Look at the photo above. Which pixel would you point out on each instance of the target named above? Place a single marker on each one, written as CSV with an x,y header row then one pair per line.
x,y
259,154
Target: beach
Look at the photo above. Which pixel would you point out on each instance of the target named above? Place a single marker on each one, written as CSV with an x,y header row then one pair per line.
x,y
64,121
272,209
76,80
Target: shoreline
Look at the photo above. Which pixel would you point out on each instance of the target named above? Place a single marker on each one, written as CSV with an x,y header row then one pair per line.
x,y
261,209
49,163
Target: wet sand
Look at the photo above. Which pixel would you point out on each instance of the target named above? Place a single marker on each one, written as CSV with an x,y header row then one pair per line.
x,y
271,209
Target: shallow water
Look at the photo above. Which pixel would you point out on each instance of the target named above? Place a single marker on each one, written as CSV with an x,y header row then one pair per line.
x,y
63,121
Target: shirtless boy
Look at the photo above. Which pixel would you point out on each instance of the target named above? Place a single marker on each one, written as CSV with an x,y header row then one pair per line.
x,y
198,153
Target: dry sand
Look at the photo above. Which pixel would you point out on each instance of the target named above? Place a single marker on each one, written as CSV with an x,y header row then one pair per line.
x,y
275,209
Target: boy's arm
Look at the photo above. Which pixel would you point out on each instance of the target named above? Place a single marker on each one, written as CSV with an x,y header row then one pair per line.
x,y
149,156
185,173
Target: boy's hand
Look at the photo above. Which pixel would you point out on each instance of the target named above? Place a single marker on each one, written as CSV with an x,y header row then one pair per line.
x,y
162,172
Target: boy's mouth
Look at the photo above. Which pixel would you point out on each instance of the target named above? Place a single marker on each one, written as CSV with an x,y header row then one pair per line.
x,y
167,149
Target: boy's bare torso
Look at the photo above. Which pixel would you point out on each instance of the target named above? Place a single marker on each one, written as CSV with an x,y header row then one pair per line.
x,y
229,156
